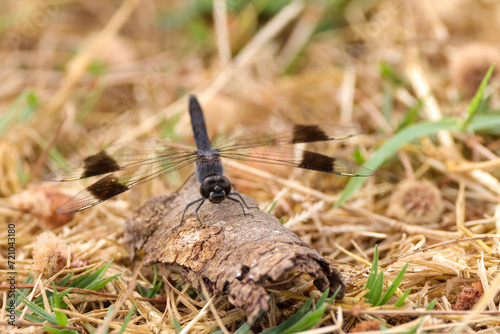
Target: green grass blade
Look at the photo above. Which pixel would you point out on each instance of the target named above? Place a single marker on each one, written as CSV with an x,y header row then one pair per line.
x,y
478,98
61,295
100,284
90,279
411,115
96,276
150,293
332,298
390,74
387,150
246,327
37,309
272,207
308,321
410,133
155,275
83,281
311,318
177,326
393,287
323,297
156,284
301,320
108,314
32,318
62,319
372,277
358,157
216,331
431,305
376,291
127,318
402,299
154,291
292,320
31,106
50,296
57,330
485,122
24,292
65,280
143,291
417,327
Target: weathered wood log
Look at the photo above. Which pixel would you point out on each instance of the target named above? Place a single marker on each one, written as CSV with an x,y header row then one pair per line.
x,y
232,253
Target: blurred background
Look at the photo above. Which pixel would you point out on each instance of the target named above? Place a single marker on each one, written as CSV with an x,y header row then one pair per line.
x,y
76,76
116,71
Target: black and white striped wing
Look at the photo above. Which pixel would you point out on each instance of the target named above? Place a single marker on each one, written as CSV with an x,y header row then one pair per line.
x,y
127,164
275,146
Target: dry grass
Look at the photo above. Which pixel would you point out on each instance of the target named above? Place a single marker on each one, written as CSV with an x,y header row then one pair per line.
x,y
79,75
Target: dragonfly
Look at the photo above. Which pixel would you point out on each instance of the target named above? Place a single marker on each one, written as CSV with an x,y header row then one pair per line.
x,y
131,163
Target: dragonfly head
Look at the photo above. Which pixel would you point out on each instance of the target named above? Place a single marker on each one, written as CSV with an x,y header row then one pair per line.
x,y
215,188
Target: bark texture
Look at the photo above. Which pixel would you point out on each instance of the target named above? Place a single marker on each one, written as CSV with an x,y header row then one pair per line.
x,y
232,253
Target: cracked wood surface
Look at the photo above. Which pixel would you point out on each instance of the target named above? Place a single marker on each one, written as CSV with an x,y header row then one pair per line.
x,y
234,254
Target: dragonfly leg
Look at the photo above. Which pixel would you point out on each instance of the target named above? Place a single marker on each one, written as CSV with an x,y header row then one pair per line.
x,y
198,209
202,200
242,200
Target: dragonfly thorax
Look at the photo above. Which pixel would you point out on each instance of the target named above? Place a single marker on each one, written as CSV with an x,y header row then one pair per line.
x,y
208,163
215,188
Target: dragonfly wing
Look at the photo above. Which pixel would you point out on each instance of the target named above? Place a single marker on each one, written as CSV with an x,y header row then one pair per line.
x,y
286,134
121,156
123,180
127,164
291,156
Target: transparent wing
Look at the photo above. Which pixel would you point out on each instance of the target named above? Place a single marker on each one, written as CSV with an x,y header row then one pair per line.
x,y
129,164
128,155
285,134
290,156
121,181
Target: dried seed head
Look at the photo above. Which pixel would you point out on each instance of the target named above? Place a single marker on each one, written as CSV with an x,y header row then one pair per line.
x,y
46,253
416,202
468,297
469,65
